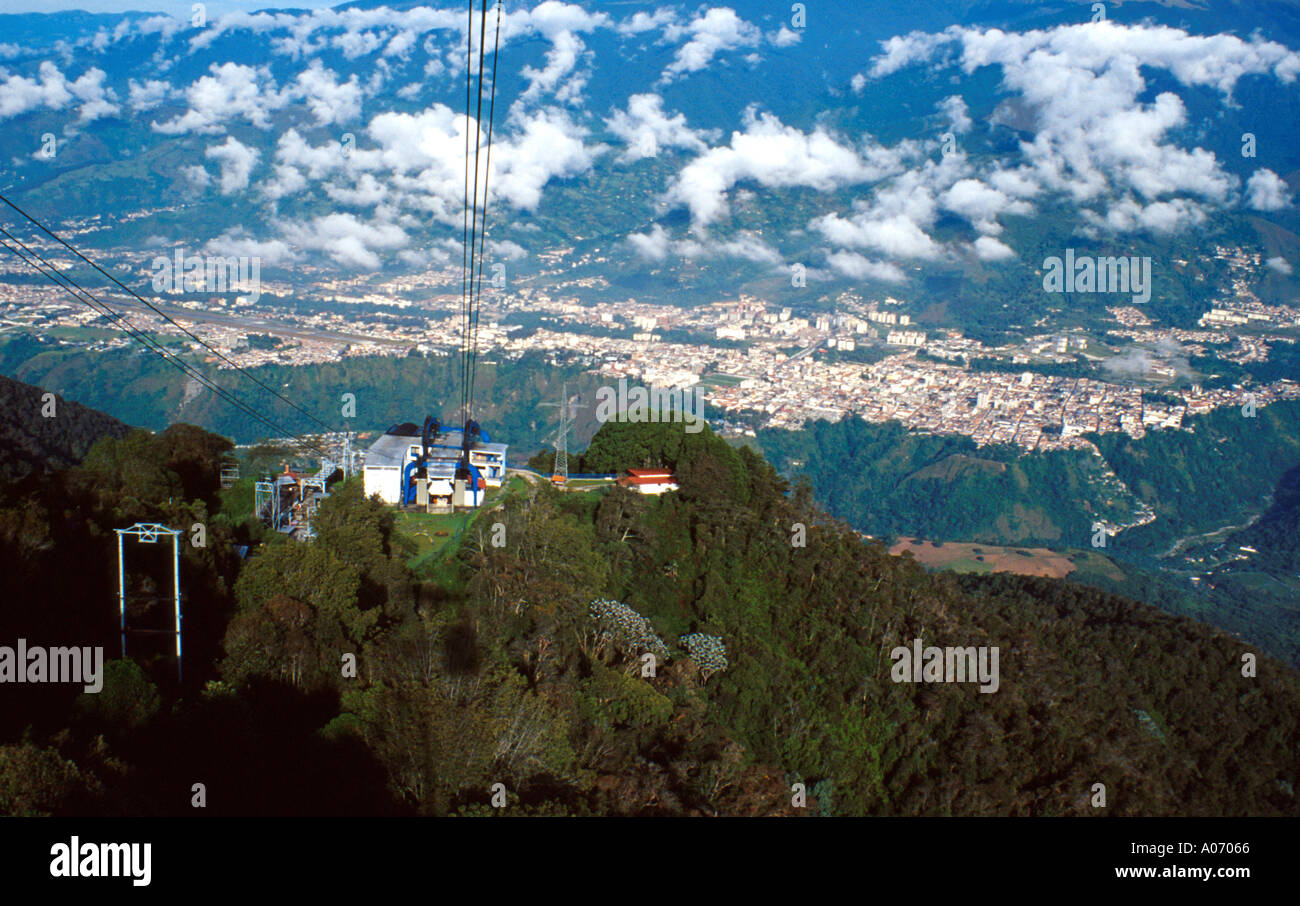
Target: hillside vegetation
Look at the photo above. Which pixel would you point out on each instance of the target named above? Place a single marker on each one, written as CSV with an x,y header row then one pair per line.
x,y
38,434
527,667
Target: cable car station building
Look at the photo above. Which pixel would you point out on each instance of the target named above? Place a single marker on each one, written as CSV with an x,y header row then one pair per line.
x,y
405,469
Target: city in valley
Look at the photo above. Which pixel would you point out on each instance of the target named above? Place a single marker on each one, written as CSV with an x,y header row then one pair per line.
x,y
759,363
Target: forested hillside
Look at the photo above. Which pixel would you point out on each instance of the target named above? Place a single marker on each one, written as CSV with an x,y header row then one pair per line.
x,y
523,664
39,433
1202,482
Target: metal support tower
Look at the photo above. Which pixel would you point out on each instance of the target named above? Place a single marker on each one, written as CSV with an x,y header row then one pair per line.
x,y
560,474
266,501
148,533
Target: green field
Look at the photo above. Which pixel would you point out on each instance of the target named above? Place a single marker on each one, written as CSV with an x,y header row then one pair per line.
x,y
720,380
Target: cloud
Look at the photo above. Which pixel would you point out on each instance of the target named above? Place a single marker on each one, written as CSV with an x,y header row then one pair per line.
x,y
238,244
505,249
645,128
197,176
744,245
652,246
774,155
1266,191
563,56
96,99
954,108
329,100
1279,264
896,235
989,249
903,50
545,145
784,37
643,21
857,267
981,204
346,239
1162,217
418,161
236,160
286,181
1098,135
231,90
148,94
657,244
50,89
718,30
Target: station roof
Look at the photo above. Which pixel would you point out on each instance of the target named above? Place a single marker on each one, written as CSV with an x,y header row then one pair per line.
x,y
391,449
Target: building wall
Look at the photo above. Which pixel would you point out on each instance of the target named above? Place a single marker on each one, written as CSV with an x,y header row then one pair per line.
x,y
386,481
656,488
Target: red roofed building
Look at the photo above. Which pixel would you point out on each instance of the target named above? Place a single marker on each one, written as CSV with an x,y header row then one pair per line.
x,y
649,481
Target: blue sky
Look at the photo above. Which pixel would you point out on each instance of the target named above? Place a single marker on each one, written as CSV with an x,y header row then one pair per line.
x,y
175,7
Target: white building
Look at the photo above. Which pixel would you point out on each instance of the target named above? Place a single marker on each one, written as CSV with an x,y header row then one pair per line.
x,y
386,474
649,481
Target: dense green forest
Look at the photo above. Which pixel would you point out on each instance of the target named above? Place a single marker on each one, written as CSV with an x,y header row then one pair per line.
x,y
523,664
887,480
38,433
1219,471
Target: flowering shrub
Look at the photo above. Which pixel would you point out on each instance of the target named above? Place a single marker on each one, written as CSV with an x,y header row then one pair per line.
x,y
708,652
626,629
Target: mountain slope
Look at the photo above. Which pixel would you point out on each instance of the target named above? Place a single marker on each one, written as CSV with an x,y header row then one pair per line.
x,y
38,435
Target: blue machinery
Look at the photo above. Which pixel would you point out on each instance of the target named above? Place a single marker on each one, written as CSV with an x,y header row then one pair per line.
x,y
465,477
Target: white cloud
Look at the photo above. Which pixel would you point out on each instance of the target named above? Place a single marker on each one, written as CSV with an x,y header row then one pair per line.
x,y
657,244
895,235
236,160
329,100
197,176
231,90
857,267
718,30
1162,217
346,239
505,249
980,204
785,37
744,245
1279,264
238,244
19,94
287,181
989,249
1094,140
954,108
148,94
774,154
96,99
1266,191
566,48
652,246
646,128
643,21
419,159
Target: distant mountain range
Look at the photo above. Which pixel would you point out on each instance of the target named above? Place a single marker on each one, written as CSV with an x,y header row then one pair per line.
x,y
677,150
